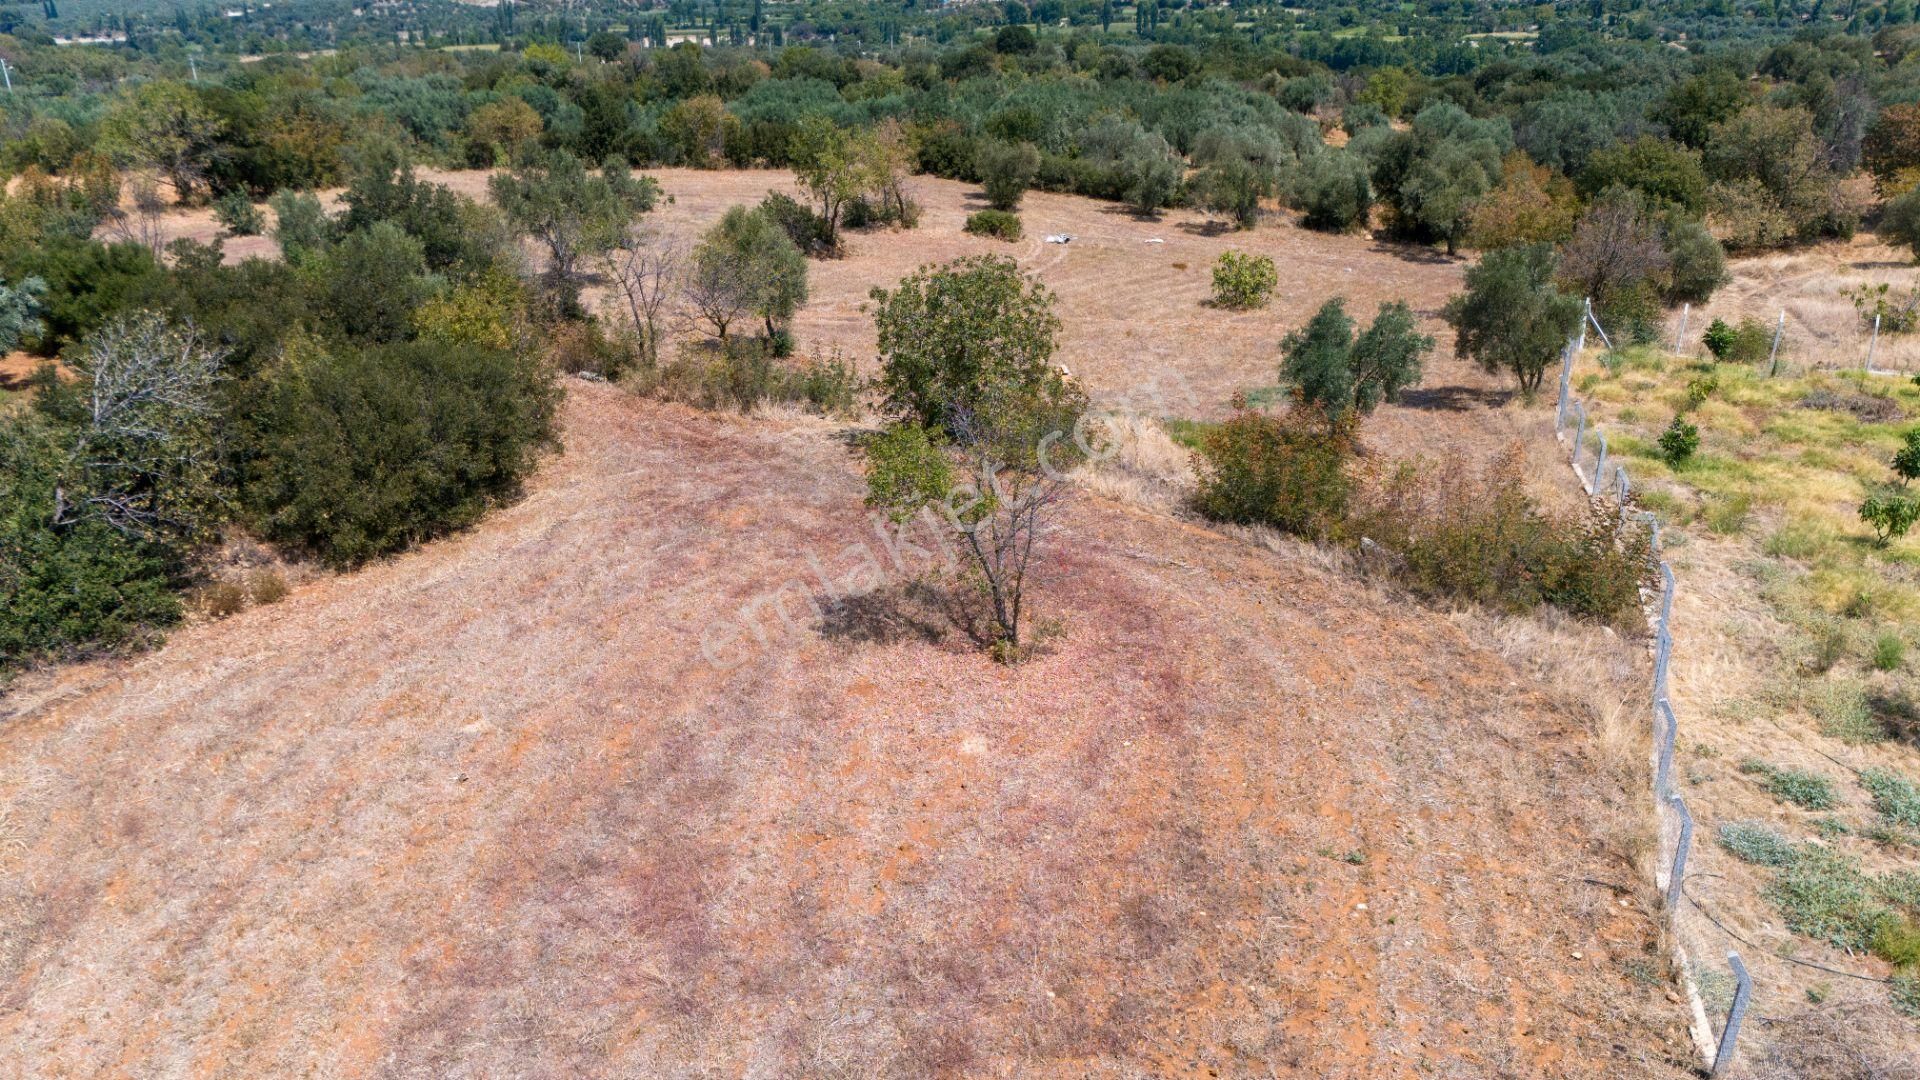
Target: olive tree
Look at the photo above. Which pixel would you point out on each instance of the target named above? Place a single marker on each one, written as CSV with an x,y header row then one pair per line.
x,y
745,265
571,212
1345,377
1512,318
982,422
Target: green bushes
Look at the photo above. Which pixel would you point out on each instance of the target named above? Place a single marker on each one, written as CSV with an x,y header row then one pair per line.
x,y
1333,191
1894,796
746,374
1761,845
1006,171
999,224
1679,442
1286,472
364,450
1805,789
1483,539
1479,539
236,213
1746,344
1243,282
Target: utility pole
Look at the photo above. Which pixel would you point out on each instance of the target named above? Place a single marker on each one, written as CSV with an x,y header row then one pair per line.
x,y
7,74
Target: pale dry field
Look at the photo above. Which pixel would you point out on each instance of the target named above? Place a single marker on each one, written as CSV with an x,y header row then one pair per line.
x,y
489,809
1823,328
492,807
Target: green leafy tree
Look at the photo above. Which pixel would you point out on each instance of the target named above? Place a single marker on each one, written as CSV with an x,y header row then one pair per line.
x,y
947,331
1669,175
20,311
1152,175
370,282
1433,174
980,434
1242,282
236,213
1231,188
1512,318
571,212
1697,103
829,164
165,127
746,265
1006,171
1679,442
1900,222
1333,191
1344,377
301,226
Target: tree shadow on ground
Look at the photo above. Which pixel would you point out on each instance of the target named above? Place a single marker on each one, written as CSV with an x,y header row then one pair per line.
x,y
1415,253
1205,228
901,611
1452,398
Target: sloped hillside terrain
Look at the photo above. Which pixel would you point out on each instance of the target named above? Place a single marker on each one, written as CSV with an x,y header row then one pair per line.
x,y
522,803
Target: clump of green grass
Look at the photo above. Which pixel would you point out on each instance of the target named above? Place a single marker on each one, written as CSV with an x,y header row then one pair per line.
x,y
1802,787
1842,710
1889,651
1824,895
1897,941
1905,992
1727,515
1798,540
1752,842
1895,796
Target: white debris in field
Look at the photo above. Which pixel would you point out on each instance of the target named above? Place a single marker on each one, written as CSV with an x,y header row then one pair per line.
x,y
1153,240
1060,238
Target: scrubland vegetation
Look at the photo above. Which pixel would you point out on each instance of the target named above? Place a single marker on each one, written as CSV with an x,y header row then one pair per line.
x,y
352,358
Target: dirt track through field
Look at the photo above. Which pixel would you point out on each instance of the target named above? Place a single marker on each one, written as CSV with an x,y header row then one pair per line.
x,y
486,809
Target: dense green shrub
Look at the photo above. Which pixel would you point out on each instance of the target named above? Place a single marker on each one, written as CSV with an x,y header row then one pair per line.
x,y
1343,376
1801,787
1287,472
236,213
360,452
808,230
1761,845
1007,170
1333,191
1000,224
1242,282
66,589
1679,442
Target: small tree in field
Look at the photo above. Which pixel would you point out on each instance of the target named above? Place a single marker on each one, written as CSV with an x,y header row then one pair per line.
x,y
1891,508
1511,318
1242,282
1007,171
979,432
746,265
571,212
1344,377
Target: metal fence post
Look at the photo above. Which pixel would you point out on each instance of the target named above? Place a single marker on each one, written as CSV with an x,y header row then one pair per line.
x,y
1679,871
1773,357
1871,342
1600,463
1620,489
1579,432
1730,1034
1663,761
1681,334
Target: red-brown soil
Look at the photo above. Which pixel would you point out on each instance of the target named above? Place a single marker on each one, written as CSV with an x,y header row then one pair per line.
x,y
488,809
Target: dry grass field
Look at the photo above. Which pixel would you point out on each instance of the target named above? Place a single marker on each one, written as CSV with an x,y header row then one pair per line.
x,y
676,769
1823,328
490,809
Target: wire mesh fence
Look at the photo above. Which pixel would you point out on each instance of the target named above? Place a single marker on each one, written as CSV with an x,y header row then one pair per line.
x,y
1716,1036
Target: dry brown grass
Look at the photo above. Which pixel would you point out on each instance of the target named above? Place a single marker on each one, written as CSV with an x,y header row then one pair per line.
x,y
484,808
1823,329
